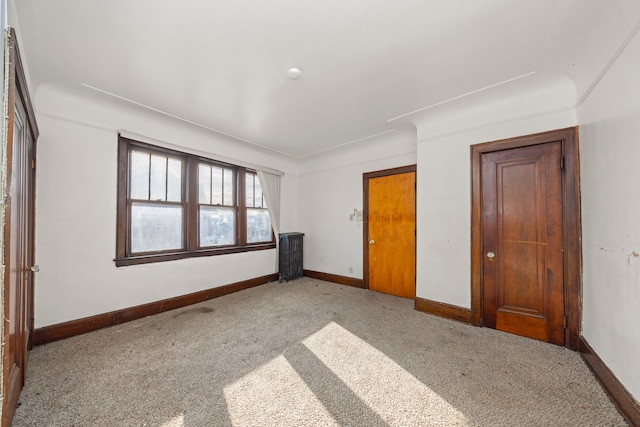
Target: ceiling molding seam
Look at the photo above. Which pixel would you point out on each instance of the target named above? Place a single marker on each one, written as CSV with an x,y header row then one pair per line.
x,y
208,154
455,98
469,129
43,113
609,64
150,140
546,36
364,162
345,144
182,119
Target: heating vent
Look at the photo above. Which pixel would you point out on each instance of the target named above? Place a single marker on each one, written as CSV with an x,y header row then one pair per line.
x,y
290,256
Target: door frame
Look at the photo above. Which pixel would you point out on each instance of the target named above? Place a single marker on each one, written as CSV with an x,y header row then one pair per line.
x,y
571,222
17,89
365,212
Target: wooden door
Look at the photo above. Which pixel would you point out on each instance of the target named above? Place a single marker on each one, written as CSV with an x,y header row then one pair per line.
x,y
18,234
390,240
522,228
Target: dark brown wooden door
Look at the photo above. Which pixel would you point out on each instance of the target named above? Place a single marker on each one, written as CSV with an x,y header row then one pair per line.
x,y
391,234
522,239
18,235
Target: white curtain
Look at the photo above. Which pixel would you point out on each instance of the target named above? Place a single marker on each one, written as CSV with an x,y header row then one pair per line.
x,y
271,189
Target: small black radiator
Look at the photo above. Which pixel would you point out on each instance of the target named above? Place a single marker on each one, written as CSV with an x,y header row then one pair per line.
x,y
290,264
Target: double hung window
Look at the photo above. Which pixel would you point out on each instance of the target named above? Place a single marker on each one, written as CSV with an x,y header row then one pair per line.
x,y
258,220
217,209
156,202
173,205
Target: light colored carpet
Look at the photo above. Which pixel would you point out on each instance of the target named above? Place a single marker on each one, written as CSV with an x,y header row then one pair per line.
x,y
307,353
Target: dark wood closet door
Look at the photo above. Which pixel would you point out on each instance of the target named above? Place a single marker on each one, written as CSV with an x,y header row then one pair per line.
x,y
522,235
22,134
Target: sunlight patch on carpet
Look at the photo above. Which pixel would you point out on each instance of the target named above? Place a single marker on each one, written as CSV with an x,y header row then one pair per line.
x,y
389,390
274,394
177,421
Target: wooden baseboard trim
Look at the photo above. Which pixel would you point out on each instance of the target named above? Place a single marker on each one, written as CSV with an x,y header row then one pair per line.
x,y
628,407
72,328
334,278
442,309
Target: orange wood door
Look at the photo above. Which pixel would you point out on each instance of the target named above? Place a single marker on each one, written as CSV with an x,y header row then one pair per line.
x,y
522,241
391,233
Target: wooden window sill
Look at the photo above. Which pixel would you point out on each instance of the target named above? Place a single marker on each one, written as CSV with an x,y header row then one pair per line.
x,y
172,256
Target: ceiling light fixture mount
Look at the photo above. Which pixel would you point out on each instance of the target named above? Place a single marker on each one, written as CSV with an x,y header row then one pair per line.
x,y
294,73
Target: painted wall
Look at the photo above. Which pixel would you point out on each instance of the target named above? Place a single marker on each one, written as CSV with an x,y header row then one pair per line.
x,y
610,156
331,183
331,188
76,190
444,175
76,208
76,196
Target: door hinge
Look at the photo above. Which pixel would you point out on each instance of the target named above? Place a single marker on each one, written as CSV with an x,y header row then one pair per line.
x,y
33,163
562,163
564,322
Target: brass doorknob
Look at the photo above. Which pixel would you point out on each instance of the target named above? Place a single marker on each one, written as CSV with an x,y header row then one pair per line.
x,y
371,242
490,255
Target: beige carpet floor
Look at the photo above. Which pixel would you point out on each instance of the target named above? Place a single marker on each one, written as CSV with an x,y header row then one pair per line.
x,y
307,353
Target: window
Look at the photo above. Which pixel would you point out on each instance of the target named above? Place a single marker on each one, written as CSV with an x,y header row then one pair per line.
x,y
173,205
217,207
155,202
258,220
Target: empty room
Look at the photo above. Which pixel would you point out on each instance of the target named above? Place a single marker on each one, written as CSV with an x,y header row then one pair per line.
x,y
315,213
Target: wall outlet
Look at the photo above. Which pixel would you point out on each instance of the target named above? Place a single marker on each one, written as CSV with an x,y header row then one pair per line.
x,y
351,270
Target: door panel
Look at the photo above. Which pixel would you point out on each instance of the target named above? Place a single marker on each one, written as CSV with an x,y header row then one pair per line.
x,y
391,234
522,229
18,234
16,251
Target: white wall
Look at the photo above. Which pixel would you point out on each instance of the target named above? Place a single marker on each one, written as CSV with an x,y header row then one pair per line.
x,y
76,190
444,177
76,209
610,160
331,188
331,184
76,198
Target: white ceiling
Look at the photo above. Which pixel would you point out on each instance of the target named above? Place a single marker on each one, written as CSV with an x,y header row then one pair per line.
x,y
223,64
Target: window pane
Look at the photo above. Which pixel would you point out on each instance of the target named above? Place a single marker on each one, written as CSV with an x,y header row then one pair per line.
x,y
158,178
258,226
155,227
258,197
228,187
174,181
204,184
249,189
139,175
216,181
217,226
